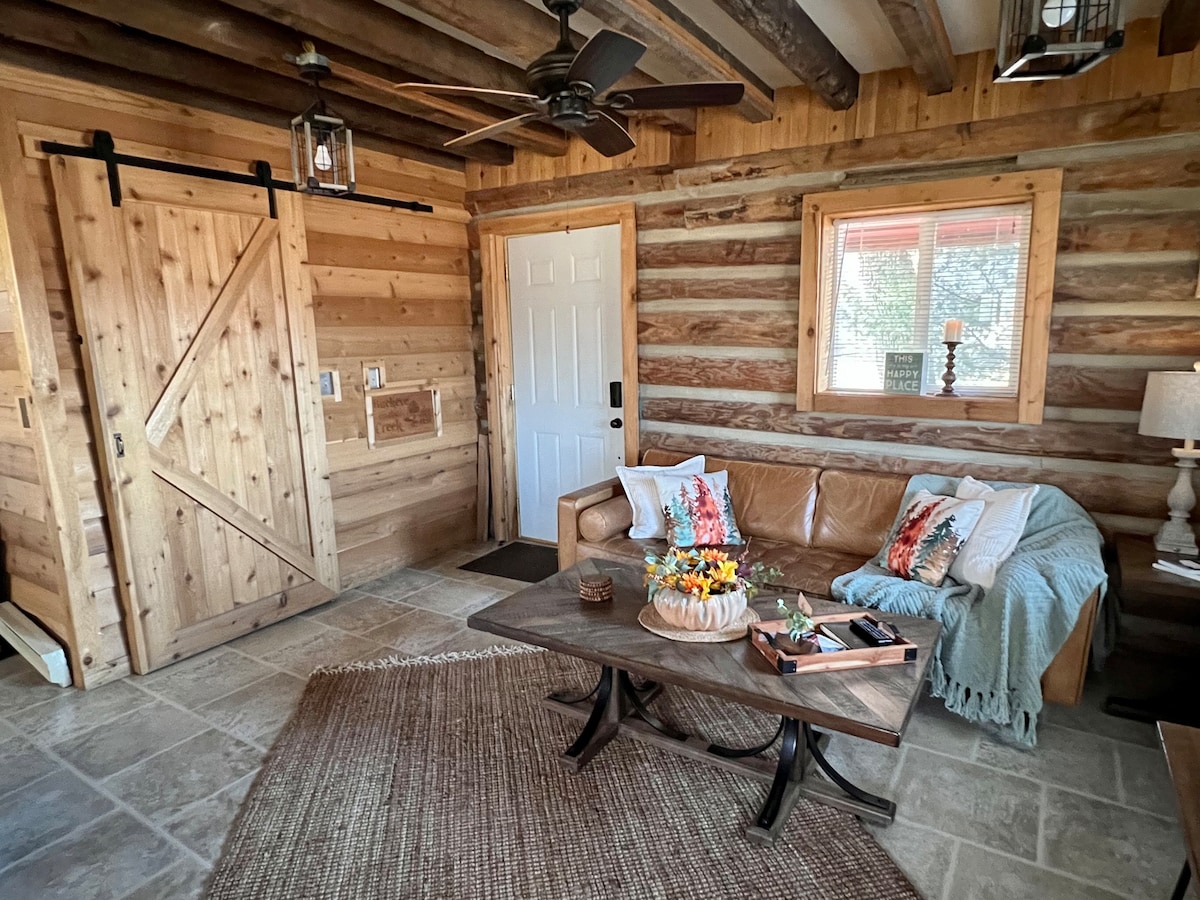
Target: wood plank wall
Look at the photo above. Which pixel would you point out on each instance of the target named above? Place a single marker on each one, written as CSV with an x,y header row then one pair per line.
x,y
718,254
890,102
389,286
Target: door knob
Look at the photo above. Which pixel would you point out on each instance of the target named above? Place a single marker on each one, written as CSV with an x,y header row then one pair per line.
x,y
615,423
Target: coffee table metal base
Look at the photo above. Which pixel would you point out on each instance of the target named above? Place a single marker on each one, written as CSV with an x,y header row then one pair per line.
x,y
619,706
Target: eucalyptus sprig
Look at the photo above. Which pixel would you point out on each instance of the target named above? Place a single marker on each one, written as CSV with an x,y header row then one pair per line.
x,y
799,620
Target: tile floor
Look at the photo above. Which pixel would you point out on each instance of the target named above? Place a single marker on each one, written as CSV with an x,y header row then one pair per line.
x,y
128,790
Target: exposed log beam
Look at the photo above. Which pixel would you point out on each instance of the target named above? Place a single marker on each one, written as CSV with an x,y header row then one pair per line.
x,y
784,29
683,45
919,26
100,41
233,34
65,65
522,33
1179,28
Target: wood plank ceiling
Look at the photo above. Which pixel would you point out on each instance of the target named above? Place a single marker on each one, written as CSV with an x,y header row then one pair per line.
x,y
228,55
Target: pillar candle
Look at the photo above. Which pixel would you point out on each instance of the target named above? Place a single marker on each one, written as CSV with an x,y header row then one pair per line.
x,y
953,332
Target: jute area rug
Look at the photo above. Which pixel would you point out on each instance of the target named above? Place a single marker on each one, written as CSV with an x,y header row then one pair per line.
x,y
437,778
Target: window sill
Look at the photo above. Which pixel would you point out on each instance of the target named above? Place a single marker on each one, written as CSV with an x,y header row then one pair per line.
x,y
919,406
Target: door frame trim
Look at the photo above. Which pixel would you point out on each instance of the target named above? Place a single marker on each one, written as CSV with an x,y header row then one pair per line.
x,y
497,339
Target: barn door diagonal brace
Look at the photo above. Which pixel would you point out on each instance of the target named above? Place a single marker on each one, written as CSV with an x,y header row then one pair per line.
x,y
103,148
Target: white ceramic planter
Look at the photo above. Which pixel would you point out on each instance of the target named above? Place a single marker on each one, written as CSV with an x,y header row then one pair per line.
x,y
714,614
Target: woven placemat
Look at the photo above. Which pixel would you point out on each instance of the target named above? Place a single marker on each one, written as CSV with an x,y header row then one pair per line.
x,y
650,619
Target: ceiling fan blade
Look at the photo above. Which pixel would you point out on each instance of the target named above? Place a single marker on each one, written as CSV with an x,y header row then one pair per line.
x,y
605,59
482,134
606,135
420,87
678,96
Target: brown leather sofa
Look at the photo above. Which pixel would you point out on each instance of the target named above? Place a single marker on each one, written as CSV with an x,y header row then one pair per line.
x,y
812,524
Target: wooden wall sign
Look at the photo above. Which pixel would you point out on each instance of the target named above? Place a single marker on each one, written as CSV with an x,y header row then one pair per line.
x,y
403,412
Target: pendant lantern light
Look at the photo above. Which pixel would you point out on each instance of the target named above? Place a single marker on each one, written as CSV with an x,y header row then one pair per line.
x,y
322,145
1047,39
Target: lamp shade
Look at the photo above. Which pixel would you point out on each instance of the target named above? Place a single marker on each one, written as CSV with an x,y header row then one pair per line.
x,y
1171,407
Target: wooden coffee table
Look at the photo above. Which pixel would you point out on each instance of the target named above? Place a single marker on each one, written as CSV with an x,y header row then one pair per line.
x,y
873,704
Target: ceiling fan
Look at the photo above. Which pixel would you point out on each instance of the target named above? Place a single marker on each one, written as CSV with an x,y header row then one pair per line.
x,y
565,84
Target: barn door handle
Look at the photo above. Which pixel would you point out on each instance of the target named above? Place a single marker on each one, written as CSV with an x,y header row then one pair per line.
x,y
614,396
119,445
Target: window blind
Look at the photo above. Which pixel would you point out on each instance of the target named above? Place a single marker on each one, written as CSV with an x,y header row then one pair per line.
x,y
890,282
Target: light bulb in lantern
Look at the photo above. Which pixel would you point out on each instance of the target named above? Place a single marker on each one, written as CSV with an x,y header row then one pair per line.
x,y
1057,13
322,159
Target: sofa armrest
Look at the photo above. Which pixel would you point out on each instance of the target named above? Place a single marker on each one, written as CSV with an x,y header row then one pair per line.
x,y
570,506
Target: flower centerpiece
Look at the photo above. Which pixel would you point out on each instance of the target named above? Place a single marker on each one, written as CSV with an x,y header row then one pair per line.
x,y
703,589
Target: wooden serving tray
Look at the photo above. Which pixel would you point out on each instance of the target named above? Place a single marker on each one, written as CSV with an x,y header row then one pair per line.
x,y
902,651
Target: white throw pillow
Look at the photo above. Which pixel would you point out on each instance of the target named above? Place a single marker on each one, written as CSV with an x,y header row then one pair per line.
x,y
642,492
995,537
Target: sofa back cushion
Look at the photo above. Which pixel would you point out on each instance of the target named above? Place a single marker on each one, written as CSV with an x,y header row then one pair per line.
x,y
855,510
774,501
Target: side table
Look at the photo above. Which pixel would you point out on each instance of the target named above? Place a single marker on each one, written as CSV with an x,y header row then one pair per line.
x,y
1170,604
1182,748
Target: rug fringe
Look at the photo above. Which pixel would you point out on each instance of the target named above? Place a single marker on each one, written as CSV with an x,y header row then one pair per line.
x,y
400,662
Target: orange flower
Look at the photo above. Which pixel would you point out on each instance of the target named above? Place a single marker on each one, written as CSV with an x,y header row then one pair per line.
x,y
692,583
710,555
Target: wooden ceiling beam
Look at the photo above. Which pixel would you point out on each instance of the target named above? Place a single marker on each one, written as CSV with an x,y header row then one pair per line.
x,y
1179,28
786,31
918,25
684,46
523,33
233,34
65,65
69,32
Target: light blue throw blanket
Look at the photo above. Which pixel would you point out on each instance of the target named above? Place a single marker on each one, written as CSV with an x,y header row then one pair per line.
x,y
996,644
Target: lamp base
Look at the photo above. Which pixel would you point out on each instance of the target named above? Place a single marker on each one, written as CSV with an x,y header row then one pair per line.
x,y
1176,535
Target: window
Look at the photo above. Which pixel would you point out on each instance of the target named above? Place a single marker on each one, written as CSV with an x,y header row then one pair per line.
x,y
884,269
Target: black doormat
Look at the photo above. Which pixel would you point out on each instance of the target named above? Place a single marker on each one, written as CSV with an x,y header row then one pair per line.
x,y
519,561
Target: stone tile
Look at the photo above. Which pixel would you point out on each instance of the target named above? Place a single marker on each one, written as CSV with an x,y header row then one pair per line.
x,y
202,827
281,634
329,647
399,584
922,854
1063,756
108,749
256,713
363,613
344,597
936,728
469,639
201,679
870,765
45,810
181,881
454,598
107,859
1135,853
968,800
417,633
21,763
1090,717
162,786
982,875
77,711
1147,780
6,730
22,686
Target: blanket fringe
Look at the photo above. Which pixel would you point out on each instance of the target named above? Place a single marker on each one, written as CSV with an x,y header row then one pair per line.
x,y
400,662
984,708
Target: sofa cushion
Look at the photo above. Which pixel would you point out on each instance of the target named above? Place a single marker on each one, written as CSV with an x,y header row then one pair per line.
x,y
855,510
770,500
621,549
606,519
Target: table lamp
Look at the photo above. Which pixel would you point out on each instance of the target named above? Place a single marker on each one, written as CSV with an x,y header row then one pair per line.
x,y
1171,409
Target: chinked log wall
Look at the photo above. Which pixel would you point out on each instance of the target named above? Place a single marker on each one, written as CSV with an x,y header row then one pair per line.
x,y
718,254
389,287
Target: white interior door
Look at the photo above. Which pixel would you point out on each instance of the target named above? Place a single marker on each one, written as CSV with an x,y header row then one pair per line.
x,y
565,297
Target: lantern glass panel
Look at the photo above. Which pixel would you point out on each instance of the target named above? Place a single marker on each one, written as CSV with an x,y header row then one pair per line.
x,y
322,154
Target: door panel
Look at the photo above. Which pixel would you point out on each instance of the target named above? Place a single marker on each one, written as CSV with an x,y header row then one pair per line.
x,y
199,353
565,300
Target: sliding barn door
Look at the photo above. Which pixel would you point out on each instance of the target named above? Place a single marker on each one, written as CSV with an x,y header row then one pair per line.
x,y
198,342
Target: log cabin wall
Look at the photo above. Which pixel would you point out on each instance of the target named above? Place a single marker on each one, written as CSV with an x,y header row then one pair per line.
x,y
389,287
718,255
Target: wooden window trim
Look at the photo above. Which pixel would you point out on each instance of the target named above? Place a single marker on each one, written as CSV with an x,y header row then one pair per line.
x,y
1042,188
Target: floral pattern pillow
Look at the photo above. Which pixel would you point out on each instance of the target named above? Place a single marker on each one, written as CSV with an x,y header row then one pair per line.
x,y
928,535
698,509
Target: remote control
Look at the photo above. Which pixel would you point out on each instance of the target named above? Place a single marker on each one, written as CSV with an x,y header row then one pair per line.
x,y
871,633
